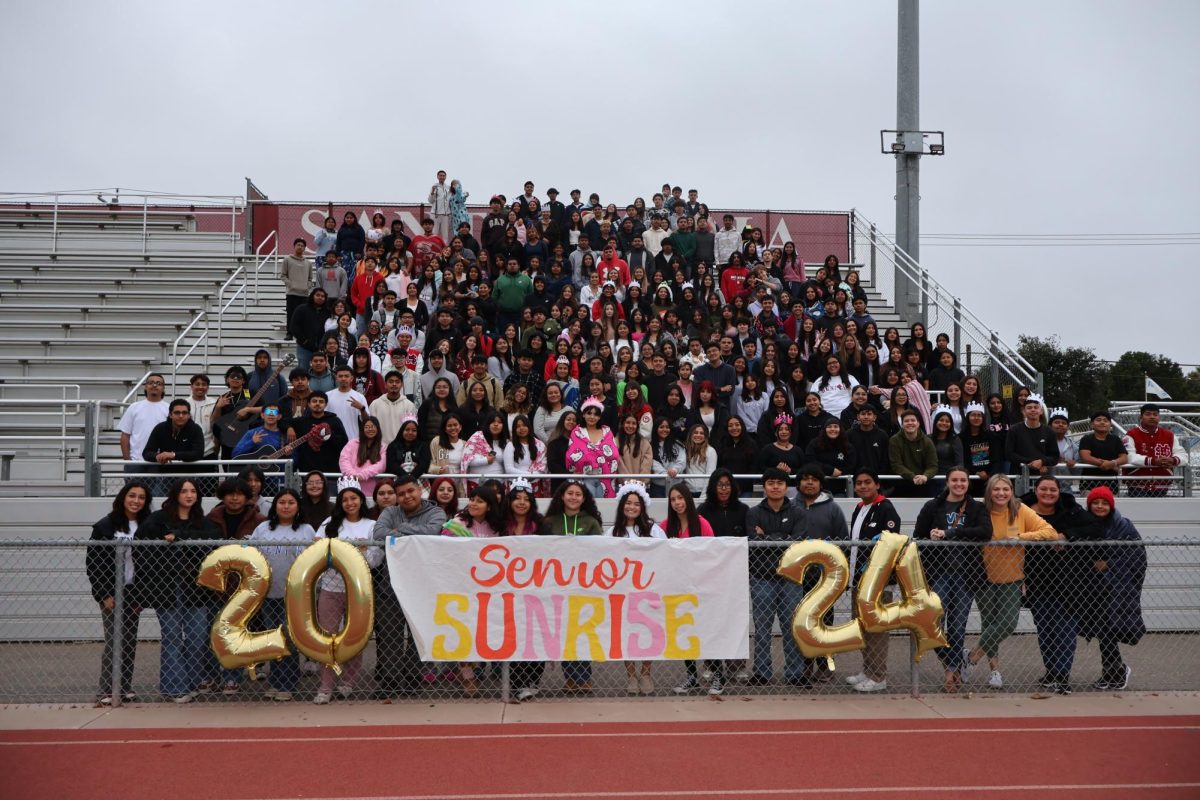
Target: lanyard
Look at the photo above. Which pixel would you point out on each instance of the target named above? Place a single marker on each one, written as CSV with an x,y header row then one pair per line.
x,y
571,531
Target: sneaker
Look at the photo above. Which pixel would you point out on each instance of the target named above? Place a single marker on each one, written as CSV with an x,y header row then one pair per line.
x,y
322,699
183,698
632,686
868,685
716,687
528,693
104,701
854,680
647,684
706,676
996,680
129,697
231,687
743,675
1062,687
688,686
1102,685
205,687
1047,681
345,691
1121,680
281,697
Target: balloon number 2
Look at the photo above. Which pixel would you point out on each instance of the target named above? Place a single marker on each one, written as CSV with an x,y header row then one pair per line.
x,y
233,643
918,610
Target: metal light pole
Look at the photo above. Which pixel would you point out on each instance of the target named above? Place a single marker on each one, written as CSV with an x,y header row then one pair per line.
x,y
908,162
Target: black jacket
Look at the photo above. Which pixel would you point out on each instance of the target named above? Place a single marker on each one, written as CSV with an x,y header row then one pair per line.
x,y
975,525
877,518
164,574
764,524
351,238
871,447
727,520
101,562
307,324
1062,573
187,444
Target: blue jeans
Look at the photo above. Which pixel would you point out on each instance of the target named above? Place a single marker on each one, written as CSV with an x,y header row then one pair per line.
x,y
578,671
771,599
956,604
213,671
285,673
184,646
1056,631
303,356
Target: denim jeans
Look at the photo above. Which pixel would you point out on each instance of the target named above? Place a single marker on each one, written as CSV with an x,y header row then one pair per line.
x,y
1056,632
771,599
285,673
956,605
184,645
578,671
303,357
212,670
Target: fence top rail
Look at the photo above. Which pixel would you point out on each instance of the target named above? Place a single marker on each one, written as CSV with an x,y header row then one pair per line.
x,y
94,197
843,543
482,206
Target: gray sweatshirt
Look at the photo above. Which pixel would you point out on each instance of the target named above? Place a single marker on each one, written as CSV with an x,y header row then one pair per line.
x,y
426,521
296,274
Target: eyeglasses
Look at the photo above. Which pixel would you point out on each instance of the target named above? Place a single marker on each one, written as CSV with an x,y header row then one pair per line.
x,y
271,412
156,383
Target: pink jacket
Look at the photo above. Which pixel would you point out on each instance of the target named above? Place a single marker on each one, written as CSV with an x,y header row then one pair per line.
x,y
348,463
587,459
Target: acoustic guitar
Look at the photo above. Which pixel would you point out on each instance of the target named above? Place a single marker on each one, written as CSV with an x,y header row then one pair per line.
x,y
228,427
322,431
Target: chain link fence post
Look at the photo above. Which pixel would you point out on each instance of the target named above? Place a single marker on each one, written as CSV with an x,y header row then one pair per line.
x,y
118,624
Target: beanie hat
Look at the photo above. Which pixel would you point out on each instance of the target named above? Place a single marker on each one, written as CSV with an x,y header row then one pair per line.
x,y
1101,493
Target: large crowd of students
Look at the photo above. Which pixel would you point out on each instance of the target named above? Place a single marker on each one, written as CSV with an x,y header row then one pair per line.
x,y
572,339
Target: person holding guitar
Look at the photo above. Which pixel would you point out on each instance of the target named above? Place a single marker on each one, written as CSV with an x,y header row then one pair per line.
x,y
232,408
320,451
268,436
237,411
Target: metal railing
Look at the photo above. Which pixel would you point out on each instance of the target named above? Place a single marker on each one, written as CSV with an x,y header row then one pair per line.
x,y
970,338
91,204
53,644
176,360
246,279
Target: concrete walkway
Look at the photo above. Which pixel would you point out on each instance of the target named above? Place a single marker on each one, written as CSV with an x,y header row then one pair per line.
x,y
155,715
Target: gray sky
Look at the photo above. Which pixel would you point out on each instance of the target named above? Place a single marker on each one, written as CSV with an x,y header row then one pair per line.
x,y
1060,118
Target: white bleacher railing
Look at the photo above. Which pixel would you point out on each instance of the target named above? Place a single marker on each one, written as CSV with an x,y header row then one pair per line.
x,y
154,207
968,334
245,278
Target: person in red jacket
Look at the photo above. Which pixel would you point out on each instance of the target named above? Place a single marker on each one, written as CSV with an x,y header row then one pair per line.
x,y
733,277
362,289
1154,450
613,268
426,245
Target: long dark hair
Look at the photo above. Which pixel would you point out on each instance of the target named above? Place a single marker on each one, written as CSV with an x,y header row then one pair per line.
x,y
629,439
369,450
339,514
534,516
117,517
273,515
315,511
530,439
485,422
494,516
443,437
171,503
693,519
641,524
555,509
710,492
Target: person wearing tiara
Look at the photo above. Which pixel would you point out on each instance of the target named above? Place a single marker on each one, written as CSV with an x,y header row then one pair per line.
x,y
350,523
592,450
632,521
1031,442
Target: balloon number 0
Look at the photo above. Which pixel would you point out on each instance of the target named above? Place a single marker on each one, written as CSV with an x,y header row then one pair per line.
x,y
918,610
235,646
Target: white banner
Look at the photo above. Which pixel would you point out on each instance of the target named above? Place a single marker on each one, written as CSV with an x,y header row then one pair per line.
x,y
566,598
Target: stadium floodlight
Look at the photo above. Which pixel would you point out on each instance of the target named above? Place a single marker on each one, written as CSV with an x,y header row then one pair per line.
x,y
925,143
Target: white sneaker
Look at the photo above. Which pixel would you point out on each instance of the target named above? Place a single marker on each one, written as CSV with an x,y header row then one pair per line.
x,y
528,693
854,680
706,676
184,698
345,692
322,699
716,687
647,684
743,675
631,686
688,686
868,685
281,697
996,680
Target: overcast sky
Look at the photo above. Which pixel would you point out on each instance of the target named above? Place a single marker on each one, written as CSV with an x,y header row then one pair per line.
x,y
1060,118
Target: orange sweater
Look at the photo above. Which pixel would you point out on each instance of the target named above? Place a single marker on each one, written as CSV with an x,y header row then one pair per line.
x,y
1007,564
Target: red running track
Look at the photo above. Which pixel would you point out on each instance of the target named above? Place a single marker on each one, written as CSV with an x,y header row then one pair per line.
x,y
1092,757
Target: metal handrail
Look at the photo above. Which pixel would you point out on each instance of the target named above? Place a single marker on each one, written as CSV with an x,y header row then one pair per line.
x,y
92,201
243,291
175,359
934,292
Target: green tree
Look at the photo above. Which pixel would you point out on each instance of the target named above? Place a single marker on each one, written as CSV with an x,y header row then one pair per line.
x,y
1129,373
1072,376
1191,385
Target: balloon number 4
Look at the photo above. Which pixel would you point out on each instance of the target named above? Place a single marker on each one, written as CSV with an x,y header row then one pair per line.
x,y
233,643
918,610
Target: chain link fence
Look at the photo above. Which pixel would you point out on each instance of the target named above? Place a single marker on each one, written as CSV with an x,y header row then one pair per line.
x,y
71,631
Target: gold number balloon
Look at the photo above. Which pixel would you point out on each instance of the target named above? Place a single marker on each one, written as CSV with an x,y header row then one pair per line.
x,y
332,648
918,609
233,644
813,636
